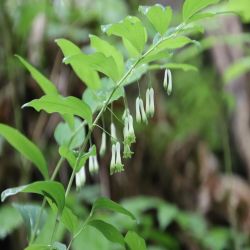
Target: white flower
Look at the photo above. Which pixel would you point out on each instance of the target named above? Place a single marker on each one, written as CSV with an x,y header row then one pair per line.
x,y
103,144
131,131
113,133
80,178
137,110
167,83
91,164
147,102
116,162
150,106
152,102
142,110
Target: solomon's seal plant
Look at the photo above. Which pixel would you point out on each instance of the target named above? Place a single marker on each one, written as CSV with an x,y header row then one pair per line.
x,y
106,72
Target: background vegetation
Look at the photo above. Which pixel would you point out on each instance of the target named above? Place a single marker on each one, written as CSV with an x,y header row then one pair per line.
x,y
188,182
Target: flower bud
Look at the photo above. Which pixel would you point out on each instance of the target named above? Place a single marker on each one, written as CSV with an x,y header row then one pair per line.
x,y
96,165
112,163
143,114
169,88
103,144
80,178
137,109
152,102
147,102
91,164
113,133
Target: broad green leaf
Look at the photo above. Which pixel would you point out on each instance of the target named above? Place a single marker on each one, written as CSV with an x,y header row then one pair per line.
x,y
84,72
134,241
201,16
10,219
98,62
63,105
45,84
30,214
96,98
237,69
108,50
156,57
159,16
191,7
137,73
27,148
109,231
71,156
132,32
105,203
166,213
63,134
51,189
70,220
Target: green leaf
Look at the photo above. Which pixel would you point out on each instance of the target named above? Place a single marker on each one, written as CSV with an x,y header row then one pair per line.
x,y
105,203
59,246
70,220
10,219
132,32
96,98
134,241
63,105
27,148
97,61
237,69
191,7
166,214
30,214
71,156
63,134
108,50
109,231
159,16
51,189
84,72
45,84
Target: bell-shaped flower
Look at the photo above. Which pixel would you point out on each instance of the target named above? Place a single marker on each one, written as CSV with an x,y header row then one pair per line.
x,y
113,159
137,110
167,83
80,178
143,113
113,133
103,144
152,102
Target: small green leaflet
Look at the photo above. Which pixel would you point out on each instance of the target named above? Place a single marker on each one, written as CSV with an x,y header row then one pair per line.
x,y
132,32
27,148
84,72
51,189
159,16
46,85
96,98
134,241
105,203
71,156
96,61
56,246
63,133
191,7
63,105
108,50
108,230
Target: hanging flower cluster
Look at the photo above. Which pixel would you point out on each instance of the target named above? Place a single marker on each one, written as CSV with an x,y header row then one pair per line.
x,y
142,115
